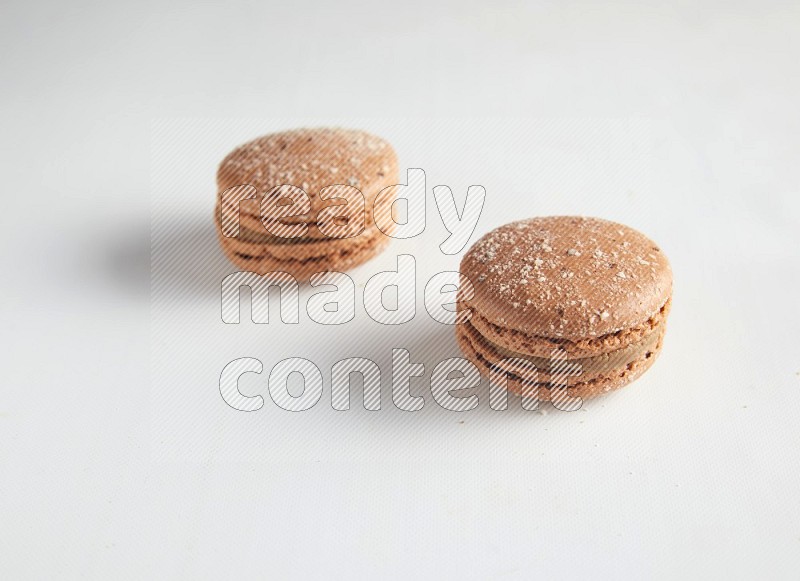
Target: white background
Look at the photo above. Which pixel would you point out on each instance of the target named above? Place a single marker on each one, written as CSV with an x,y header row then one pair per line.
x,y
680,121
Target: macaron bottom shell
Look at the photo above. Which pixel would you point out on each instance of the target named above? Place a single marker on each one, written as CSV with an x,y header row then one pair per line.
x,y
305,257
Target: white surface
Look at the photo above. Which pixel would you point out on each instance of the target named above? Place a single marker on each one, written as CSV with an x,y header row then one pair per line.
x,y
691,472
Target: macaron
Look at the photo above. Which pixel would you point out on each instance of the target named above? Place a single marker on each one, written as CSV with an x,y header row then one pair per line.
x,y
564,293
276,165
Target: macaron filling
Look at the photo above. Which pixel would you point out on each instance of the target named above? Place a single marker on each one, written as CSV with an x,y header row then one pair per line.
x,y
575,348
590,367
265,237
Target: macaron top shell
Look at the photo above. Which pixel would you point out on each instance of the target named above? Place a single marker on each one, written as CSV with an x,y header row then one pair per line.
x,y
567,277
312,159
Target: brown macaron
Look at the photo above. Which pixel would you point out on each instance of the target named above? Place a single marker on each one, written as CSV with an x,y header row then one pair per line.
x,y
329,161
565,292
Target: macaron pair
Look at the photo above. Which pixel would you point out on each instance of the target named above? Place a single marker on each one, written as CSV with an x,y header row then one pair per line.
x,y
275,165
583,301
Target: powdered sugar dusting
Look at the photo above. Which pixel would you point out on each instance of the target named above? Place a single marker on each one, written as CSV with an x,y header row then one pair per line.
x,y
568,276
311,159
